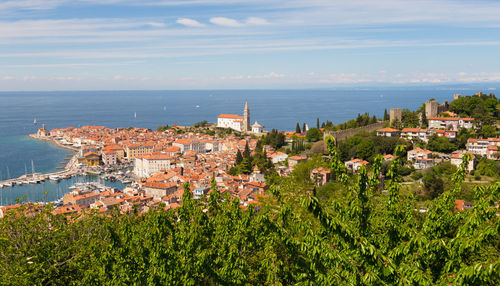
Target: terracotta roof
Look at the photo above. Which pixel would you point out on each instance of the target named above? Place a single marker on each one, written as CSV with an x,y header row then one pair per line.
x,y
444,118
387,129
233,116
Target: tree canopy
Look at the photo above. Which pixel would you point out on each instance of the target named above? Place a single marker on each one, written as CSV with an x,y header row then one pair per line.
x,y
363,237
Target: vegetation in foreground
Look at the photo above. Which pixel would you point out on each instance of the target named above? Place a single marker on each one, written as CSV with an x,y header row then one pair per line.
x,y
363,235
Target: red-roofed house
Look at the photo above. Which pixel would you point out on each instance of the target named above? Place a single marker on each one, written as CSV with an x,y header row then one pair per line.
x,y
355,164
388,132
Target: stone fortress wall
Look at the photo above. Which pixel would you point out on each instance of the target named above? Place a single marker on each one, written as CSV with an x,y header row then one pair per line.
x,y
343,134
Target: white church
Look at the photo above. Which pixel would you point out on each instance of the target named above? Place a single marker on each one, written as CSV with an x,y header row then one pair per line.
x,y
239,123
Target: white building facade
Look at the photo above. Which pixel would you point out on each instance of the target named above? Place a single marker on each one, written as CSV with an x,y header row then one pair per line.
x,y
232,121
146,165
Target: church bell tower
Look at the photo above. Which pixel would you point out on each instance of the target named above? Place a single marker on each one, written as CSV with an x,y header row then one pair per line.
x,y
246,118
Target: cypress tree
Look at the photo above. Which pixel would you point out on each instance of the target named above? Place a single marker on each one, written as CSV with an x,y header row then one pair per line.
x,y
239,157
304,127
317,122
386,115
246,152
297,128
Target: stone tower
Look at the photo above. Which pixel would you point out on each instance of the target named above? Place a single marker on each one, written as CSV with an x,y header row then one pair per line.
x,y
246,118
431,108
395,113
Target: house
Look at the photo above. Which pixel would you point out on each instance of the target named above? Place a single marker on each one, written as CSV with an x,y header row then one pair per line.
x,y
200,191
421,158
355,164
320,176
388,132
109,157
415,133
456,159
294,160
450,134
135,149
388,157
277,156
158,190
493,153
81,200
461,205
480,146
451,123
190,144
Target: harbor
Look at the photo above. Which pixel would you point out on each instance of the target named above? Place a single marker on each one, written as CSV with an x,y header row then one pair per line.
x,y
51,190
43,187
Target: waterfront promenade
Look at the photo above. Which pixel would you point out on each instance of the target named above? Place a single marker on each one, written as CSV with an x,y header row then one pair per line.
x,y
70,169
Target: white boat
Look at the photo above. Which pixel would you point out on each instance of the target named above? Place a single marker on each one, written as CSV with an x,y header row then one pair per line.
x,y
135,114
54,178
34,122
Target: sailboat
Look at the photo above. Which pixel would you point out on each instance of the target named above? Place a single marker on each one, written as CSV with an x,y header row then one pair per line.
x,y
135,114
34,122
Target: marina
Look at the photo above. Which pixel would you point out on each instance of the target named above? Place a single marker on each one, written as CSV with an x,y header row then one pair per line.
x,y
49,190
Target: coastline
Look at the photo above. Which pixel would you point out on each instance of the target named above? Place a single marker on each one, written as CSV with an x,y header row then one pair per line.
x,y
52,141
69,169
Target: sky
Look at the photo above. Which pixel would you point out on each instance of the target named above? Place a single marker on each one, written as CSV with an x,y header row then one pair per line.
x,y
233,44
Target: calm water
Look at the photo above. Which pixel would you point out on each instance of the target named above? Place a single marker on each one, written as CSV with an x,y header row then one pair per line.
x,y
47,191
272,108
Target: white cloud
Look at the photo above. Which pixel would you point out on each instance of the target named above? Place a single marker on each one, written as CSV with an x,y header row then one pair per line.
x,y
189,22
271,75
227,22
256,21
156,24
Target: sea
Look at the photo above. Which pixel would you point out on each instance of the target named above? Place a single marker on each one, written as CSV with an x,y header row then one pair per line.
x,y
275,109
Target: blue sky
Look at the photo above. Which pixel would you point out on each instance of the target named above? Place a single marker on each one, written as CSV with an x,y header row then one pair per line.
x,y
219,44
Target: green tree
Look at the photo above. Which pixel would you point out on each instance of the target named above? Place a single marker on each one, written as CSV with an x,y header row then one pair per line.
x,y
433,184
239,157
386,115
488,131
297,128
365,149
246,152
313,135
440,144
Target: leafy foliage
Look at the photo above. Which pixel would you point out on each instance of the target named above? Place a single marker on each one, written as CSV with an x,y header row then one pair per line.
x,y
364,237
